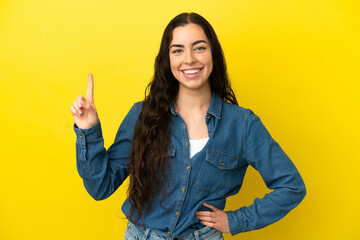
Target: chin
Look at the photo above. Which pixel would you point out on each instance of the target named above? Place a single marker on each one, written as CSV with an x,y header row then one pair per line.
x,y
194,86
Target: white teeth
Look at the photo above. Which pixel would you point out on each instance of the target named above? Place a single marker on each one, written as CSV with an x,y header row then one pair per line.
x,y
191,71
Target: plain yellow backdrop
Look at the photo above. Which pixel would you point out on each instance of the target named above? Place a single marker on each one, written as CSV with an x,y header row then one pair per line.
x,y
294,63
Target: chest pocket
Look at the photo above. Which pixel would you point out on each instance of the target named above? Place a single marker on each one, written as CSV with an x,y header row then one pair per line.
x,y
215,174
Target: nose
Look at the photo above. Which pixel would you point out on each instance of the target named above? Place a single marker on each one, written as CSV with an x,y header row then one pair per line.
x,y
189,58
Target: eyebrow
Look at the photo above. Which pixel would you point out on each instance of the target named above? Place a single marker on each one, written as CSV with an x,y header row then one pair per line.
x,y
193,44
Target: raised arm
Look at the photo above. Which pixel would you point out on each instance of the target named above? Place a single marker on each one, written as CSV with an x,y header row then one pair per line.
x,y
102,171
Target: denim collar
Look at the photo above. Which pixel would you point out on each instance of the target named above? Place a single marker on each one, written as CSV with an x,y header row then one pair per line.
x,y
214,109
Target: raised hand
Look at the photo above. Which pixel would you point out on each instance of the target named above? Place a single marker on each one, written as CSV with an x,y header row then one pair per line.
x,y
83,109
216,219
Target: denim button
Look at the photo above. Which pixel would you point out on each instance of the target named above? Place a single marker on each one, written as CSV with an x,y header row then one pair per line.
x,y
183,189
177,213
188,167
81,136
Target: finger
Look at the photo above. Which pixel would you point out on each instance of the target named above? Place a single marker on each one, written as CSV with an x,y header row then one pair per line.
x,y
78,109
206,219
210,206
73,111
205,213
81,101
90,90
76,105
209,224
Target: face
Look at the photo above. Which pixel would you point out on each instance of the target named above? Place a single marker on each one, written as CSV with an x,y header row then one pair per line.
x,y
190,57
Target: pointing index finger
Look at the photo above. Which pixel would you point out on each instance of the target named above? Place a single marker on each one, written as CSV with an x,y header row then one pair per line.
x,y
90,90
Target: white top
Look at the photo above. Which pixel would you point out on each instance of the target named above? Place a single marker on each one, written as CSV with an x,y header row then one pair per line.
x,y
197,145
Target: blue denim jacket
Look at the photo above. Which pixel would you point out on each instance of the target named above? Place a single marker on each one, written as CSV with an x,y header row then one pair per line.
x,y
237,138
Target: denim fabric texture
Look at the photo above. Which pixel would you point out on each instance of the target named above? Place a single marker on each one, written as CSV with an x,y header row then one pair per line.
x,y
136,232
237,139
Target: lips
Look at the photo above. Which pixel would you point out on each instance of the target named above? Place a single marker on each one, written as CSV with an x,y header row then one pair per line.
x,y
191,73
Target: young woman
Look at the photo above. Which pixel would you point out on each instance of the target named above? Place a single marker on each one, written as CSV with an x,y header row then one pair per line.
x,y
186,147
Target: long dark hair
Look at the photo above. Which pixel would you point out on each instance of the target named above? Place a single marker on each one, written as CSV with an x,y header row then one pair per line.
x,y
148,155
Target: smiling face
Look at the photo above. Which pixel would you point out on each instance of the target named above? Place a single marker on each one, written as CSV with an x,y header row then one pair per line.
x,y
190,57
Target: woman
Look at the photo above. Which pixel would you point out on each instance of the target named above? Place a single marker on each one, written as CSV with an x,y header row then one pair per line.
x,y
186,147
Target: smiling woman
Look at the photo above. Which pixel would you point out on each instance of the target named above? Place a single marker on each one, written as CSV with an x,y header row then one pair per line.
x,y
178,186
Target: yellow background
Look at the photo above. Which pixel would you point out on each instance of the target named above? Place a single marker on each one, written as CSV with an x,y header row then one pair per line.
x,y
294,63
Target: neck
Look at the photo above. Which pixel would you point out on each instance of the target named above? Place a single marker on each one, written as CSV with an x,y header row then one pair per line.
x,y
191,100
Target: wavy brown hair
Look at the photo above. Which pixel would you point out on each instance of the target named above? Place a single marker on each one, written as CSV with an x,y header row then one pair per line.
x,y
149,163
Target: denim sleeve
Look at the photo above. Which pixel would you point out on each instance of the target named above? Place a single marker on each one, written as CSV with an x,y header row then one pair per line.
x,y
103,171
279,174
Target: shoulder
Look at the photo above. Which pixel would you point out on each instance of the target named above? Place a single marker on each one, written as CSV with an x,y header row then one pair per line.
x,y
230,110
137,106
133,114
136,109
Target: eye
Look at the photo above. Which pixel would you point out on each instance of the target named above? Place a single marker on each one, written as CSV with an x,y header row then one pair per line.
x,y
201,48
177,51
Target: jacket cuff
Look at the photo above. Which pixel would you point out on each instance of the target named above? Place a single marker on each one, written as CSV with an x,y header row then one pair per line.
x,y
236,223
91,134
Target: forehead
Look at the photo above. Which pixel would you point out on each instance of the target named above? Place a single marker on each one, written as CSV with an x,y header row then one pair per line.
x,y
188,34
